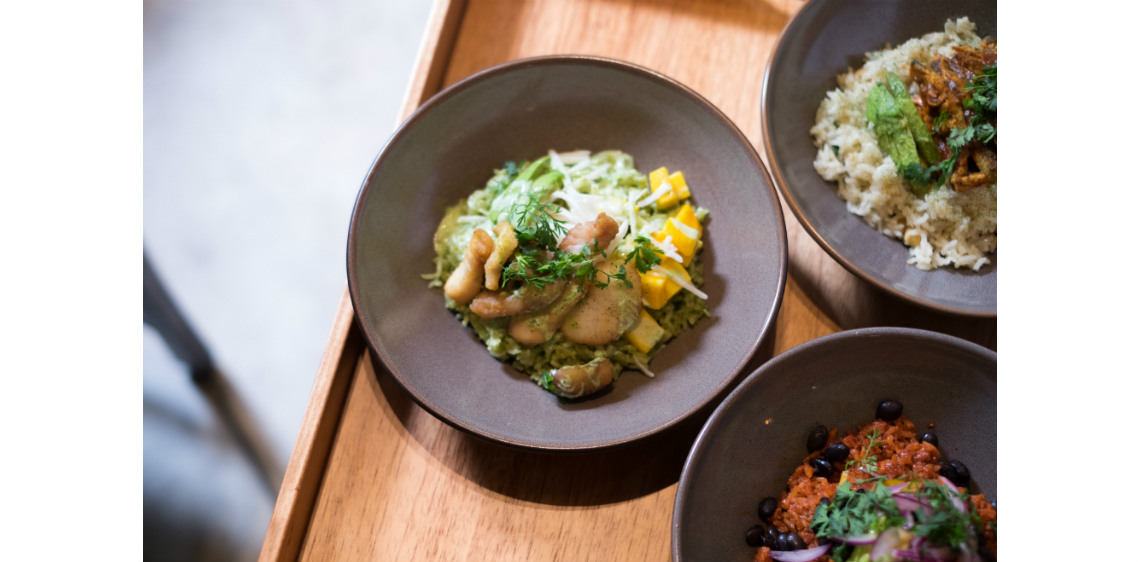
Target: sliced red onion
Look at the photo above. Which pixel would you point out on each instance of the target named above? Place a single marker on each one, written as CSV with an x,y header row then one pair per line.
x,y
909,503
954,499
805,555
919,554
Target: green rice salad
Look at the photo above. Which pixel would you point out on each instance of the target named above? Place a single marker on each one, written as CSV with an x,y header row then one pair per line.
x,y
544,201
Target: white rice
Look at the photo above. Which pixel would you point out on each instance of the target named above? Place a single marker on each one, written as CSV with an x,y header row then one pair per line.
x,y
944,228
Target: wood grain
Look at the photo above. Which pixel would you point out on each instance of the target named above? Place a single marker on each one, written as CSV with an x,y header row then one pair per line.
x,y
307,463
395,483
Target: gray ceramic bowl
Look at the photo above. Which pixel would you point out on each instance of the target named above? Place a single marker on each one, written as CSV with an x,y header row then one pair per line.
x,y
755,438
518,111
826,38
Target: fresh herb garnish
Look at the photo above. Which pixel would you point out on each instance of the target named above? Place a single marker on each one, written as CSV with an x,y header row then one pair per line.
x,y
939,121
983,94
644,254
853,512
535,223
944,524
983,104
528,267
856,512
867,463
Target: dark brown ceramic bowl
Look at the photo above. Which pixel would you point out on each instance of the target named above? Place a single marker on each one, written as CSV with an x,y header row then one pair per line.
x,y
756,437
518,111
826,38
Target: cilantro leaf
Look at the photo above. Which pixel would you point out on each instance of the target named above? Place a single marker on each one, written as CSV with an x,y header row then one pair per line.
x,y
644,254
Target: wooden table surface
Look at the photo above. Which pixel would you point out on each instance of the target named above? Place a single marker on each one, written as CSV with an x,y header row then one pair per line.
x,y
375,477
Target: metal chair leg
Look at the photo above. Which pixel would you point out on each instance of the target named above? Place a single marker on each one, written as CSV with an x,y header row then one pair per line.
x,y
161,313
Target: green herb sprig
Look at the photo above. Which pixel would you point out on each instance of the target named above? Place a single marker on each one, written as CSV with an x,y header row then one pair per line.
x,y
983,103
534,223
945,525
867,463
856,512
644,255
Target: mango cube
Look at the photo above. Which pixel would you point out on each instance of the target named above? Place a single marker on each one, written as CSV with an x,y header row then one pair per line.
x,y
680,187
685,246
656,179
646,333
688,217
657,288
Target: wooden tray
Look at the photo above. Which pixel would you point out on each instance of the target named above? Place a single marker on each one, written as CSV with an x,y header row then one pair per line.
x,y
375,477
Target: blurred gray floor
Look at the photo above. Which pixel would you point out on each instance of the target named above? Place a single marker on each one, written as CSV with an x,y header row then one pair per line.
x,y
260,120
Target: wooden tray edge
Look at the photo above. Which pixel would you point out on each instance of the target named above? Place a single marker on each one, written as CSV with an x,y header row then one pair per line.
x,y
322,416
303,476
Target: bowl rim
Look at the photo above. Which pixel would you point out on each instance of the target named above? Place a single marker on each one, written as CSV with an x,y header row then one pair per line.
x,y
767,324
766,89
705,436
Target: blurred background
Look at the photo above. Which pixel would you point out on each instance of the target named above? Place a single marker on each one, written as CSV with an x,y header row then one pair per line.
x,y
260,121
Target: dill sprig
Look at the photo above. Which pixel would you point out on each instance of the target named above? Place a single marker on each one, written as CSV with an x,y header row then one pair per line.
x,y
535,223
532,267
867,463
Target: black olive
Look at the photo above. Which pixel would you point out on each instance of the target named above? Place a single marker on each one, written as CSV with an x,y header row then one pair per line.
x,y
825,501
772,537
755,536
784,542
956,472
836,452
889,410
797,541
821,467
817,438
928,437
767,508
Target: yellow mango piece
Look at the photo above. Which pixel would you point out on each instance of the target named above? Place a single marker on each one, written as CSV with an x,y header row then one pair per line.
x,y
680,187
657,177
686,246
656,289
674,268
646,333
688,217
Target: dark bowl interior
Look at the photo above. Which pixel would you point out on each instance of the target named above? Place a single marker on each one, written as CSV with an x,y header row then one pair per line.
x,y
755,439
826,38
518,111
